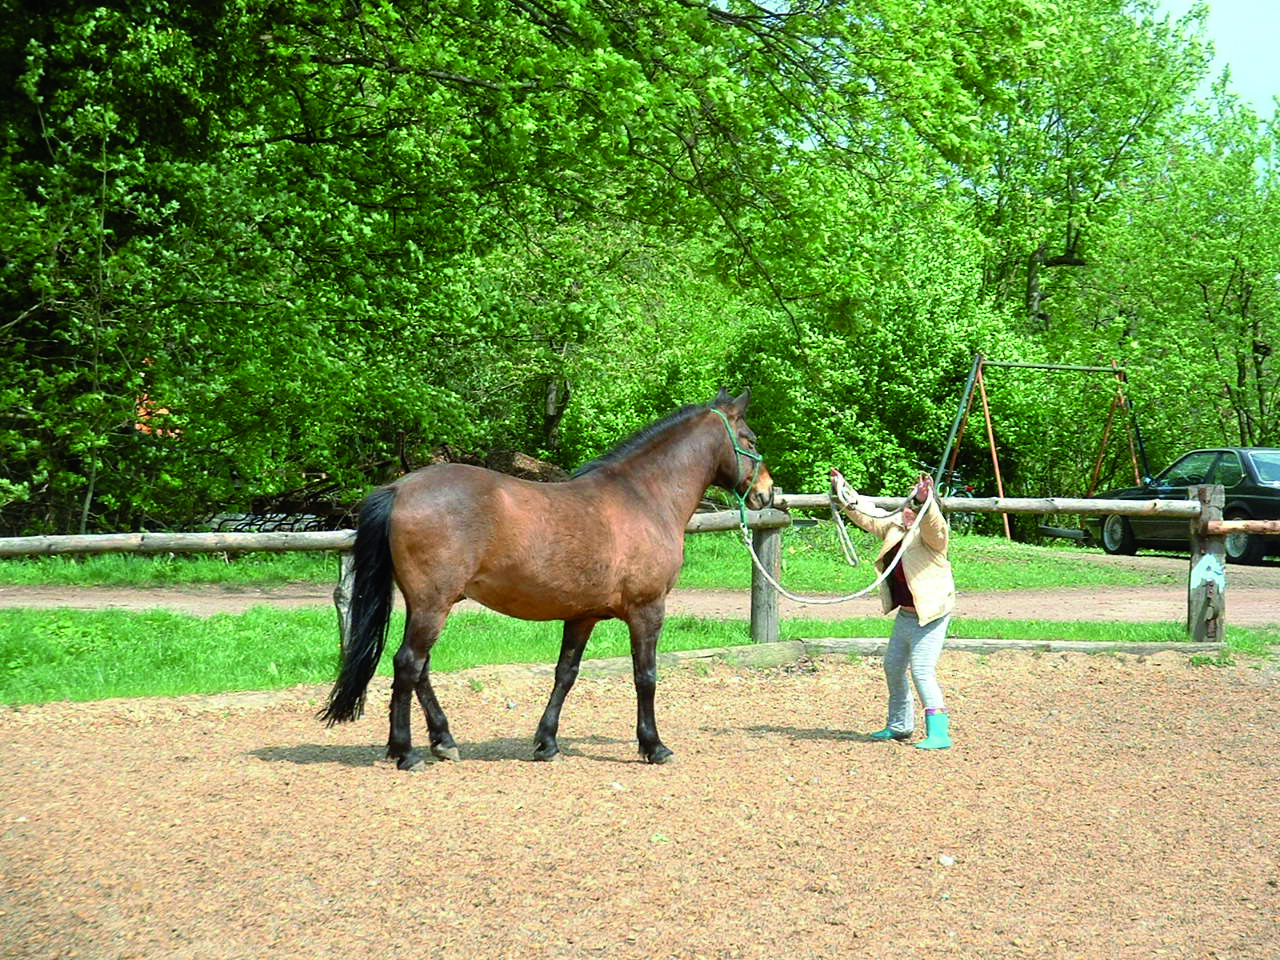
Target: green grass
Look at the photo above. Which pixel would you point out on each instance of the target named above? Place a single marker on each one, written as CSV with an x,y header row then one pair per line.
x,y
812,563
78,655
1245,641
171,570
74,655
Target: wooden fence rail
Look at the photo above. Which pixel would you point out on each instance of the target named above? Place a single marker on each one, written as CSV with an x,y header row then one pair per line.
x,y
1095,507
1206,581
177,543
772,518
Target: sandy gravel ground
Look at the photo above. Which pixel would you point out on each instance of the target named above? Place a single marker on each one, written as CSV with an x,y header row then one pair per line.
x,y
1093,806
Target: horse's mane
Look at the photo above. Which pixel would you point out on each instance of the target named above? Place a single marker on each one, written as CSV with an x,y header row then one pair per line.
x,y
638,439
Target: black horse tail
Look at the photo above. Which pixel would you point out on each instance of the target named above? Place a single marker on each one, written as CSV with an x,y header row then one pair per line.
x,y
370,608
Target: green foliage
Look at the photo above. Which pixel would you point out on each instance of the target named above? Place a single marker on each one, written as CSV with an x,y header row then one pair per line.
x,y
871,383
252,249
1069,137
1189,295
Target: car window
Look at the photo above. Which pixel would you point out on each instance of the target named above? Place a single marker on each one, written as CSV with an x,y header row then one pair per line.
x,y
1228,472
1192,468
1268,466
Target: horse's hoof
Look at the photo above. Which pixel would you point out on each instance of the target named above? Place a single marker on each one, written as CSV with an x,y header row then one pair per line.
x,y
412,762
547,755
442,752
661,755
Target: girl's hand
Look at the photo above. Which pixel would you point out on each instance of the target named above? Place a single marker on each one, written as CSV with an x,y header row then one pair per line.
x,y
841,489
924,486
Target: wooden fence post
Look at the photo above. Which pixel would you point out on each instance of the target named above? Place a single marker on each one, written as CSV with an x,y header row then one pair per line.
x,y
1207,580
764,598
342,596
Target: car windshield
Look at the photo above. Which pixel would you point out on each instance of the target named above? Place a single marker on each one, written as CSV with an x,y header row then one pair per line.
x,y
1267,465
1193,468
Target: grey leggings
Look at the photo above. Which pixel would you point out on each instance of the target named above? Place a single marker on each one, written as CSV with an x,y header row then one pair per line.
x,y
914,647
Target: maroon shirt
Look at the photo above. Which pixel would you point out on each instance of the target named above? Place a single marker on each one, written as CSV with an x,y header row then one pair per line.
x,y
898,589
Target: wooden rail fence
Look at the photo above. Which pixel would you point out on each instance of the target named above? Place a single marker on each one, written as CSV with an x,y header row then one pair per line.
x,y
1206,581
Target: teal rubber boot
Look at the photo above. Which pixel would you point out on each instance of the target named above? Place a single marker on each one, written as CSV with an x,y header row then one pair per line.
x,y
890,734
937,732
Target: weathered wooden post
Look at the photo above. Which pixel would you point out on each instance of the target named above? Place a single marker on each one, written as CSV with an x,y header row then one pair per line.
x,y
1207,581
764,598
342,596
766,540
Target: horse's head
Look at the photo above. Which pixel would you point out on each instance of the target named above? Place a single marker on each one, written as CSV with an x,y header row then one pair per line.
x,y
741,469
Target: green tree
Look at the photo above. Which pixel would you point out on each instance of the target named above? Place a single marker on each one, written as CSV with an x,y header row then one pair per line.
x,y
305,233
1074,133
330,238
1189,293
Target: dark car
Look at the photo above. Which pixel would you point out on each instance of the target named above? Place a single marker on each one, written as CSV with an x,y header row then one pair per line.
x,y
1251,478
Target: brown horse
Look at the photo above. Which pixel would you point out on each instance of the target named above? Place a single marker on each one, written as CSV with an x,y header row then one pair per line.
x,y
606,544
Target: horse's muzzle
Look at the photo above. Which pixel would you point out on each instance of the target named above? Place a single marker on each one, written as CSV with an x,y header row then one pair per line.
x,y
760,494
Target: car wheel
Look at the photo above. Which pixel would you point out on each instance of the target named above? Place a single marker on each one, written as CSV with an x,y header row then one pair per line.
x,y
960,522
1243,547
1117,536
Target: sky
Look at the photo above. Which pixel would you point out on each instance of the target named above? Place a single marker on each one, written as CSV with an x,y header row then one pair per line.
x,y
1245,35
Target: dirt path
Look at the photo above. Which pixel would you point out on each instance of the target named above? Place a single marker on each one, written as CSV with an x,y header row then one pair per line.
x,y
1253,599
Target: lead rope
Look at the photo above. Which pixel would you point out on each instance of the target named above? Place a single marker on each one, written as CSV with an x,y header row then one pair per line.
x,y
850,554
842,532
910,535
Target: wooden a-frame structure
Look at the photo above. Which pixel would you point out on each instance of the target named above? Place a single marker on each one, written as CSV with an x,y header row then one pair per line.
x,y
1137,454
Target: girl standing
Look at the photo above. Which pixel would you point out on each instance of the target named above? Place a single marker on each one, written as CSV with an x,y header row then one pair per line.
x,y
922,590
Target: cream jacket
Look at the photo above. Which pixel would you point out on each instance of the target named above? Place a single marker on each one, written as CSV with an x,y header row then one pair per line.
x,y
924,558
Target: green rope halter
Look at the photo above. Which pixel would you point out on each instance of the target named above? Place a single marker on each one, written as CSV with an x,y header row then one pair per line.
x,y
751,455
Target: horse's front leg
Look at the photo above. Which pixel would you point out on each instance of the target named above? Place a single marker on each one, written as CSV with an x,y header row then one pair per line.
x,y
645,625
574,641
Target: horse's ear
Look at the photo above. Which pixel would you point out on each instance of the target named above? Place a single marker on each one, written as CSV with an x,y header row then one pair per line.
x,y
740,404
721,398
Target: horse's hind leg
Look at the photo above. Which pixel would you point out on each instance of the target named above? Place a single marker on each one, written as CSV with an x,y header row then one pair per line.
x,y
441,740
412,670
576,634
